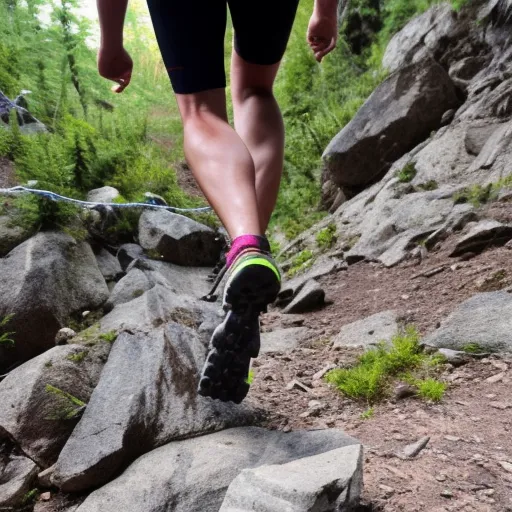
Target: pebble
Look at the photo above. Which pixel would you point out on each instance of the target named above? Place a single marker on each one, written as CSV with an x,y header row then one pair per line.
x,y
500,405
297,384
412,450
319,374
452,438
495,378
447,494
45,496
440,478
507,466
389,491
500,365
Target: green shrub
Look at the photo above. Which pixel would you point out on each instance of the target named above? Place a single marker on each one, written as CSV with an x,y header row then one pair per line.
x,y
301,261
326,237
407,173
431,389
110,336
370,379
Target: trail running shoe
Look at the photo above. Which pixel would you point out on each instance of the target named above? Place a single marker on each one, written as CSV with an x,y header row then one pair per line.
x,y
253,283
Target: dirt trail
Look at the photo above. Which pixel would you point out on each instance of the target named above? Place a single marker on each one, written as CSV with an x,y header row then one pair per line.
x,y
467,463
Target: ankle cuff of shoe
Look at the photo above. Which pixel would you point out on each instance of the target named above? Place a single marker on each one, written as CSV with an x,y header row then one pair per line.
x,y
243,242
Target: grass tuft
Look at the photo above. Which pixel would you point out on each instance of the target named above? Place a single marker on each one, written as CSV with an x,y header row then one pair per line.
x,y
371,378
407,173
301,261
5,336
326,237
109,337
431,389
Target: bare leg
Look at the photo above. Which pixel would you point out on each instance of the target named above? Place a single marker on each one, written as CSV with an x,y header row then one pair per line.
x,y
259,123
220,161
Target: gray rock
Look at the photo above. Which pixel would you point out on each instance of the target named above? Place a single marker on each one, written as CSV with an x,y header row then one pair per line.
x,y
454,357
17,474
44,479
45,280
38,419
131,286
103,195
463,71
193,475
64,335
414,449
485,234
178,239
283,340
322,267
137,407
11,236
129,252
421,37
476,137
109,265
485,319
320,483
311,297
399,114
369,331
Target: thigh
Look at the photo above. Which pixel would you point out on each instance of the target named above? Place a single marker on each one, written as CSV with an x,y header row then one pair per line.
x,y
262,28
190,35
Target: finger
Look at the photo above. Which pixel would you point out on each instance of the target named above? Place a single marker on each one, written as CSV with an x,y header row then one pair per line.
x,y
323,52
122,83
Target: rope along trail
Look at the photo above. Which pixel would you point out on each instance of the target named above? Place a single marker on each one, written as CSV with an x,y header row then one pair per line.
x,y
89,204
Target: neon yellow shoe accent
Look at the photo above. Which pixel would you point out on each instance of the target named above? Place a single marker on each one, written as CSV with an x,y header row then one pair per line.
x,y
256,261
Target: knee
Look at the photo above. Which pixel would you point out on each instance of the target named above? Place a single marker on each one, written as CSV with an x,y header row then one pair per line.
x,y
252,92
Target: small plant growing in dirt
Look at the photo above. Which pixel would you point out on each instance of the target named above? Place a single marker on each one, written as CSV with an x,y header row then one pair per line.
x,y
473,348
302,261
428,185
67,407
78,357
326,237
30,497
109,337
407,173
368,414
371,378
475,195
5,336
431,389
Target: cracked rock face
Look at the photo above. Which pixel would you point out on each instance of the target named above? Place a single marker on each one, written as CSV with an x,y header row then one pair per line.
x,y
193,475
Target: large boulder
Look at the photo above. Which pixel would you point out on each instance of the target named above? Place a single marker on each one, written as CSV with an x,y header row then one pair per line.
x,y
321,483
483,321
103,195
146,397
422,37
41,399
193,475
178,239
44,281
398,115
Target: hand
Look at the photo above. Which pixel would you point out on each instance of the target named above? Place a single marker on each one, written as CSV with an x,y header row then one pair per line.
x,y
322,34
116,65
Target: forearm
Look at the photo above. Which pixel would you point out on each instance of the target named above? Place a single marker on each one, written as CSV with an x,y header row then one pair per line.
x,y
111,14
325,7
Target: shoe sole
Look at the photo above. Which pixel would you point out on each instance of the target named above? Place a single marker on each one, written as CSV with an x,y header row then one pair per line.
x,y
236,341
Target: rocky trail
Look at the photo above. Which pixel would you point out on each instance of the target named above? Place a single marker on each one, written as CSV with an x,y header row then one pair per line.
x,y
102,341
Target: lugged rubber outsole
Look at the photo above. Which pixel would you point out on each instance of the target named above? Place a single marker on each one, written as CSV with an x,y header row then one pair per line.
x,y
237,339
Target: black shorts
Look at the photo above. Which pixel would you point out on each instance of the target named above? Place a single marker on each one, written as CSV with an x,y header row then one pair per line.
x,y
191,33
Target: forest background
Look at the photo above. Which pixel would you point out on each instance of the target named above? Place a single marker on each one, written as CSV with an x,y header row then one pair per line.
x,y
133,141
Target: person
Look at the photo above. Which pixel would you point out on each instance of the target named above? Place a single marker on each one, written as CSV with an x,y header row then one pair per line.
x,y
238,169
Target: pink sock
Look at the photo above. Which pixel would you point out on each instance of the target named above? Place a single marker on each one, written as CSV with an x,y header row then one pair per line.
x,y
241,243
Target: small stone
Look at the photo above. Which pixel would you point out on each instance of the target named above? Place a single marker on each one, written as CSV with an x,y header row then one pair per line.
x,y
495,378
44,478
64,335
45,496
388,491
500,405
296,384
447,494
440,478
507,466
405,297
489,492
85,314
320,374
404,391
287,429
452,438
412,450
500,365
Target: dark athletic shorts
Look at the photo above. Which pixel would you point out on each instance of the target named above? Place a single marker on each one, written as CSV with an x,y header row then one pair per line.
x,y
190,34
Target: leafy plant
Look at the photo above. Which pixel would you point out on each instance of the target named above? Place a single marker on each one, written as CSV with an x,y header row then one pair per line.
x,y
78,357
407,173
326,237
5,336
109,337
369,413
431,389
67,406
473,348
250,377
300,262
